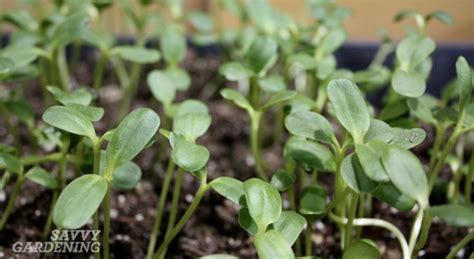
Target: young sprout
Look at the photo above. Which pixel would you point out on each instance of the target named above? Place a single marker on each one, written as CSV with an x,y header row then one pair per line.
x,y
255,113
15,166
413,55
259,58
191,120
380,166
79,201
274,231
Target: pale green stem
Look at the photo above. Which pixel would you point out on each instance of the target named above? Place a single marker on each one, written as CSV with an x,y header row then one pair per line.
x,y
175,201
308,241
160,208
11,201
96,170
255,119
49,220
415,231
5,179
99,71
433,173
440,130
12,129
339,189
377,223
352,214
460,245
63,69
468,181
425,230
187,215
106,203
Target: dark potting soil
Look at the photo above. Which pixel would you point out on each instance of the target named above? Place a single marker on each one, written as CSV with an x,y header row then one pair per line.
x,y
213,228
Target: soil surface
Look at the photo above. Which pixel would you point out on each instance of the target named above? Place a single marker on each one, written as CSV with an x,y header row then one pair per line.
x,y
213,228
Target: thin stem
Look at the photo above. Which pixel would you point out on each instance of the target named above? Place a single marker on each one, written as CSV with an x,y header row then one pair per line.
x,y
415,231
255,144
454,251
53,69
279,124
175,201
121,72
440,131
76,51
99,71
377,223
292,199
468,181
307,238
33,160
49,220
160,208
105,242
11,201
131,90
5,179
187,215
42,65
12,129
63,69
339,189
382,53
425,230
96,170
361,211
321,99
433,173
338,199
454,193
254,93
352,214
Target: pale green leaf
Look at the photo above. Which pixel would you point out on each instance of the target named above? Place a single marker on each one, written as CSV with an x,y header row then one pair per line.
x,y
263,201
271,245
350,107
79,201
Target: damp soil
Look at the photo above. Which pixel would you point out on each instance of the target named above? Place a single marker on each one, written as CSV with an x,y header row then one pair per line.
x,y
213,228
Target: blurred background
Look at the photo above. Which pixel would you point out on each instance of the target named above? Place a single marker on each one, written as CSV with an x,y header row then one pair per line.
x,y
363,26
367,16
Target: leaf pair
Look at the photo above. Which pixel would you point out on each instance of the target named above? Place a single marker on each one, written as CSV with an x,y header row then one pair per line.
x,y
81,198
376,165
407,80
191,120
165,84
239,100
261,215
259,58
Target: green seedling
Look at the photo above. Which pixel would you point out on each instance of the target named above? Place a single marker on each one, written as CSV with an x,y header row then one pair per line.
x,y
380,166
413,55
80,199
260,56
255,113
190,121
332,129
274,231
14,166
